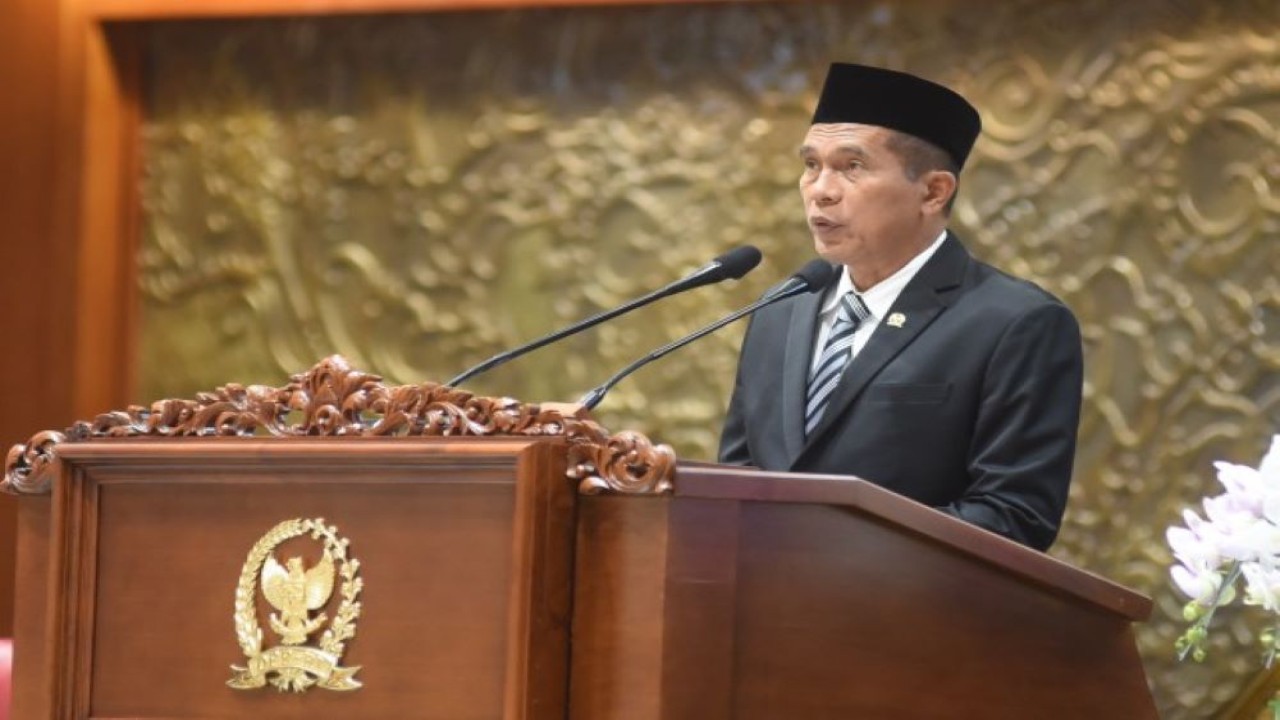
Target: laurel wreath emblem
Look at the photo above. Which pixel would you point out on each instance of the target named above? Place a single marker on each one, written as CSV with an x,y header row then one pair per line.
x,y
297,668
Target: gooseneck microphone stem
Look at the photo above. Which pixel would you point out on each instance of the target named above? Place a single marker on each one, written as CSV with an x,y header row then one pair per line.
x,y
813,277
593,398
731,265
590,322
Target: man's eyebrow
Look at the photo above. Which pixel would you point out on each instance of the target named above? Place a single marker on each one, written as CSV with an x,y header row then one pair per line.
x,y
844,149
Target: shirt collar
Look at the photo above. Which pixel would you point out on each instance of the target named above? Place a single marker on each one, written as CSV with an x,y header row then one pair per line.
x,y
832,300
881,296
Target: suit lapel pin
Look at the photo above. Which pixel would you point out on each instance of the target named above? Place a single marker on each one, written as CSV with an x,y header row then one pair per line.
x,y
896,320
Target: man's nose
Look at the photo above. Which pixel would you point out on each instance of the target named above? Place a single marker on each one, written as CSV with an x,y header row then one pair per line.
x,y
825,189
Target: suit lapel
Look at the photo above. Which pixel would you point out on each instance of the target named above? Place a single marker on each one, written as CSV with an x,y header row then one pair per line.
x,y
919,304
795,370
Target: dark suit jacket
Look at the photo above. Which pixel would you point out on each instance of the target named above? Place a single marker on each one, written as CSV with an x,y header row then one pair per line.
x,y
971,406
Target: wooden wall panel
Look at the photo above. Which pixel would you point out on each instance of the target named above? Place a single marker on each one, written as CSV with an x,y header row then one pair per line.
x,y
36,264
68,197
110,207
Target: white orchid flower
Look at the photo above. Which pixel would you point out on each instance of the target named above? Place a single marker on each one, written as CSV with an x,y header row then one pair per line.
x,y
1253,542
1262,587
1245,488
1271,507
1227,510
1269,468
1200,587
1238,537
1193,549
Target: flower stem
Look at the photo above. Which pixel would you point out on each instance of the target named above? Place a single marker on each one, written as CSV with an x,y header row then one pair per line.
x,y
1200,628
1271,640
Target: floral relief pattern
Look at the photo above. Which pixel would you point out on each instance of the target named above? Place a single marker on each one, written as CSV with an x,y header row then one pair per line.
x,y
420,192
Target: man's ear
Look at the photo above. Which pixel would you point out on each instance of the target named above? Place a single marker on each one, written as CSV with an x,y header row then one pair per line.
x,y
939,186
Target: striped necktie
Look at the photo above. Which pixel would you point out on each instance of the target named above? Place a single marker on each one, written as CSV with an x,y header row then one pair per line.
x,y
835,355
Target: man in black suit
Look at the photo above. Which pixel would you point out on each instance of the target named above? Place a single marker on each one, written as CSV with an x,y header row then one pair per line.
x,y
920,369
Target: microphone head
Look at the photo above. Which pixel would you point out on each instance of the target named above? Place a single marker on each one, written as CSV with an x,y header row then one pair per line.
x,y
815,275
737,262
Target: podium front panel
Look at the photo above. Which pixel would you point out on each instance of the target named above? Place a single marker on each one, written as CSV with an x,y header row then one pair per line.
x,y
458,554
765,596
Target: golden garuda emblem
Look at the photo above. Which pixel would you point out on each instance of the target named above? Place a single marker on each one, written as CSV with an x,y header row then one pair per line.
x,y
296,592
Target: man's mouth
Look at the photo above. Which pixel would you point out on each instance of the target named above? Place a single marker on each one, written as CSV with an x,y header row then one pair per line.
x,y
821,224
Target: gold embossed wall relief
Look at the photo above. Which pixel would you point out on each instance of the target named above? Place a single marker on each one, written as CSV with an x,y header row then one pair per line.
x,y
420,192
422,220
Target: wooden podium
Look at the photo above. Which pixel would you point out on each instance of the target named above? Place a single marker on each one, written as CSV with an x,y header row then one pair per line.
x,y
416,552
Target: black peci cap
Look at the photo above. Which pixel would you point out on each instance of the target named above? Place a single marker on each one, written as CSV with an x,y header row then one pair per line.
x,y
902,102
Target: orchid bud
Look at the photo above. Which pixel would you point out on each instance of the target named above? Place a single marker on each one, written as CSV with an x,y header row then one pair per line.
x,y
1192,611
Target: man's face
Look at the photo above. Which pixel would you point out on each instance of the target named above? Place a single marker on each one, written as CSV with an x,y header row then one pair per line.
x,y
862,209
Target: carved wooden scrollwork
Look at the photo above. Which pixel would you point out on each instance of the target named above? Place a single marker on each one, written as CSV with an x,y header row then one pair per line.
x,y
333,399
31,467
625,463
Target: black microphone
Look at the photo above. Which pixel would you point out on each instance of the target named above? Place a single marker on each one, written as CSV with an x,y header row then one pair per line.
x,y
731,265
813,277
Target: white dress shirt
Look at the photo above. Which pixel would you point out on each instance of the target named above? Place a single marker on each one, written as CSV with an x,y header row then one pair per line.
x,y
878,298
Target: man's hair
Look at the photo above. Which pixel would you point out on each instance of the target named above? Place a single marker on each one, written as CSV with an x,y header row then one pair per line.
x,y
921,156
